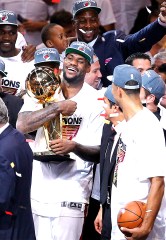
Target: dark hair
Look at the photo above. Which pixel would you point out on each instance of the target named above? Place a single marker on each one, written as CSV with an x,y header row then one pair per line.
x,y
62,17
45,32
147,93
137,55
112,104
162,68
131,91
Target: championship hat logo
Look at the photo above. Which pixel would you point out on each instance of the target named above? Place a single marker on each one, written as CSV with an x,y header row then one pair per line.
x,y
87,4
82,49
4,17
46,56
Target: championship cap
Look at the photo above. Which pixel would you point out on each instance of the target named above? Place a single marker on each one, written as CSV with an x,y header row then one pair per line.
x,y
108,94
95,58
82,49
8,18
2,69
46,55
80,5
124,73
153,83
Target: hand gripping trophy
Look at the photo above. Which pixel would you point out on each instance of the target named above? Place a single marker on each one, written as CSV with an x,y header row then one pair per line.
x,y
43,85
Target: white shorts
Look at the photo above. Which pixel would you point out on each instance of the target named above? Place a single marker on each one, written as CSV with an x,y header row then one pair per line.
x,y
63,227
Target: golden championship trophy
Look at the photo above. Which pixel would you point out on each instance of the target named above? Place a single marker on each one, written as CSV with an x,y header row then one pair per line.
x,y
43,85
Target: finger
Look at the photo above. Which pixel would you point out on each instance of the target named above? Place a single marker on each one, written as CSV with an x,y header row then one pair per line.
x,y
163,9
125,229
127,232
52,143
97,228
26,57
56,147
128,238
23,47
163,3
58,153
99,231
28,53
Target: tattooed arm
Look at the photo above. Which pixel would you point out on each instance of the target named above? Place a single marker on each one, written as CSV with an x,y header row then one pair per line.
x,y
31,121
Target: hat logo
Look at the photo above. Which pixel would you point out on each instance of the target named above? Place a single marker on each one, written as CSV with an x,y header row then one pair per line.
x,y
87,4
81,49
150,89
148,74
46,56
132,76
4,17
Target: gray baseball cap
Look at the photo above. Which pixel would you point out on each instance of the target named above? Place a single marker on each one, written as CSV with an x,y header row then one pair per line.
x,y
8,18
46,55
2,69
108,94
82,49
153,83
124,73
84,4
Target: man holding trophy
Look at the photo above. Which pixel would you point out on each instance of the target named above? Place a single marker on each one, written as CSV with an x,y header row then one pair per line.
x,y
61,188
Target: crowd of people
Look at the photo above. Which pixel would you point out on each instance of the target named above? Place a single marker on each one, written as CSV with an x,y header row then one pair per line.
x,y
82,119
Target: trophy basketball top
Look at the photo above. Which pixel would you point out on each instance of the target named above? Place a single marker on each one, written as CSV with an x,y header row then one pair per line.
x,y
42,84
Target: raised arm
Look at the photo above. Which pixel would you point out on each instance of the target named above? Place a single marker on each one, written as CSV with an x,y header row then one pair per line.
x,y
31,121
143,40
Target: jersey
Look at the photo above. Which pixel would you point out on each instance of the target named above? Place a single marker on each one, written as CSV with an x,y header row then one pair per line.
x,y
71,181
141,156
17,72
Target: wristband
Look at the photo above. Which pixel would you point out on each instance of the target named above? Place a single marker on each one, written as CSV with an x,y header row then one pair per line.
x,y
147,211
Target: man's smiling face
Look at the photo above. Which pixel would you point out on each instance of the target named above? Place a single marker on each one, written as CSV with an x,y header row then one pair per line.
x,y
8,36
87,25
75,67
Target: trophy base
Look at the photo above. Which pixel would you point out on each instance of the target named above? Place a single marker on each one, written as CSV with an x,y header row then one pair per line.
x,y
49,156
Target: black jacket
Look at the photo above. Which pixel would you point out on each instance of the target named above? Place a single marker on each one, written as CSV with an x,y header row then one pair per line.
x,y
111,51
16,222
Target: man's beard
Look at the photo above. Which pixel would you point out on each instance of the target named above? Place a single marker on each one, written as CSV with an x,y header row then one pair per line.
x,y
76,79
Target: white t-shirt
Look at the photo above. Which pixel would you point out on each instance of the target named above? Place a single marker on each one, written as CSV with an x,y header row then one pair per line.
x,y
17,72
20,42
163,116
144,158
53,183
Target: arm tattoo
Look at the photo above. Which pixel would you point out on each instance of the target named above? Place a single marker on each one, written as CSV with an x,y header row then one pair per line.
x,y
31,121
